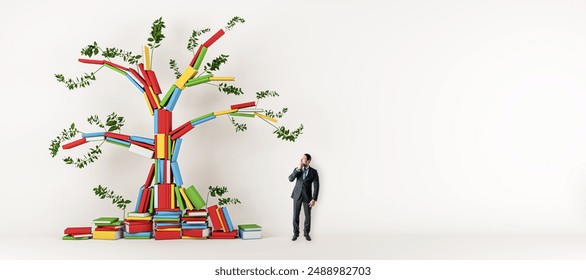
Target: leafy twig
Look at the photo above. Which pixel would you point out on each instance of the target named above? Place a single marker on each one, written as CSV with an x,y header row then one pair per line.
x,y
266,93
66,134
233,22
156,33
284,133
192,42
92,155
77,82
238,126
276,115
216,63
218,191
229,89
103,192
173,66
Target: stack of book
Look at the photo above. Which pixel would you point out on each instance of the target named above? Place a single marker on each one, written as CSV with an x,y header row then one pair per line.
x,y
194,224
108,228
249,231
168,224
138,226
77,233
221,223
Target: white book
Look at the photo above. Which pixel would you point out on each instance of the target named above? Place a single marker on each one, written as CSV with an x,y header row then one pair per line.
x,y
141,151
135,214
250,110
95,138
255,234
195,222
81,235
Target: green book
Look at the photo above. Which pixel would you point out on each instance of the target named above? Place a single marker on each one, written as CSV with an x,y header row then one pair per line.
x,y
152,206
167,219
69,237
199,59
115,69
168,96
202,117
242,115
195,198
179,199
137,237
106,221
249,227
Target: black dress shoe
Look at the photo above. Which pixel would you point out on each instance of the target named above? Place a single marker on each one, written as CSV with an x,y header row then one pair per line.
x,y
294,237
308,238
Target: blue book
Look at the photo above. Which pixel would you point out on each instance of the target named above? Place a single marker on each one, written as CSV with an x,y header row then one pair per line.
x,y
161,171
118,141
203,120
228,220
92,134
134,82
173,100
143,234
176,150
168,214
156,118
138,199
143,140
194,226
249,234
176,174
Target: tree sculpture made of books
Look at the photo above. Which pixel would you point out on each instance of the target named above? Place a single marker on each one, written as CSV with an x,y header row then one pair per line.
x,y
162,190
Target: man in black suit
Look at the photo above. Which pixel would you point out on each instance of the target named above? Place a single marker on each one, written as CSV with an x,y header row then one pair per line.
x,y
302,194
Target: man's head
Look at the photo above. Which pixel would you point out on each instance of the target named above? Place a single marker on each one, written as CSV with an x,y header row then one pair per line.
x,y
306,159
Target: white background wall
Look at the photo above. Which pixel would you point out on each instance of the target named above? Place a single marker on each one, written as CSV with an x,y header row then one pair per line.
x,y
423,117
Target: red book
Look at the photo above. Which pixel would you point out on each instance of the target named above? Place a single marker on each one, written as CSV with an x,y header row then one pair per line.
x,y
151,98
115,65
243,105
117,136
147,200
179,128
214,38
182,132
151,175
214,217
144,145
109,228
74,144
137,76
77,230
166,235
224,235
164,125
134,228
141,203
154,81
194,219
195,56
146,77
195,232
91,61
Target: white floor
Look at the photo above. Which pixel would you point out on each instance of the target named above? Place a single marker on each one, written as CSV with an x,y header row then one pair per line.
x,y
390,247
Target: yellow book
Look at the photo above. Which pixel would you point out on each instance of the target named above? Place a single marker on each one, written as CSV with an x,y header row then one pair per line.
x,y
139,218
219,113
148,103
224,227
147,58
191,237
160,153
169,229
187,74
155,97
172,196
187,202
265,117
107,235
221,79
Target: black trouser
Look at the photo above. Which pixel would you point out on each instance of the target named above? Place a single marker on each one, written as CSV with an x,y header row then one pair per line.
x,y
296,210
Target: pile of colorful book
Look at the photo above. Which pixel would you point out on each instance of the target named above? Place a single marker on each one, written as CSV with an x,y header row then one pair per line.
x,y
249,231
168,224
194,224
108,228
77,233
138,226
221,223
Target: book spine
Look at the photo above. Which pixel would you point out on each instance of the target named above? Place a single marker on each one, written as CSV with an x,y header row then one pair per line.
x,y
214,38
243,105
74,144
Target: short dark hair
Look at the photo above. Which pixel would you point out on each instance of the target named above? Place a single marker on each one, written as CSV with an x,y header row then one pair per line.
x,y
308,156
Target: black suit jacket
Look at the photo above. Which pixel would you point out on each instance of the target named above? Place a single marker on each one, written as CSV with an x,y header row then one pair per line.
x,y
302,187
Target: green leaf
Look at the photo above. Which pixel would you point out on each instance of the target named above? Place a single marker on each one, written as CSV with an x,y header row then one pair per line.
x,y
192,43
156,33
233,22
